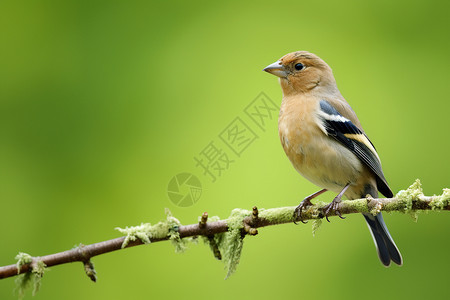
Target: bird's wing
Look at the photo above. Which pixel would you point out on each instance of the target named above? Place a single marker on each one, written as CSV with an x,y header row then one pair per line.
x,y
355,140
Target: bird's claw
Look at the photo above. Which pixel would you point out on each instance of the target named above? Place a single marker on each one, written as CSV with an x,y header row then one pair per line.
x,y
298,210
334,205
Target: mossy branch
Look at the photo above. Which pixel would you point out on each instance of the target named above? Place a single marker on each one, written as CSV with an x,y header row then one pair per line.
x,y
225,237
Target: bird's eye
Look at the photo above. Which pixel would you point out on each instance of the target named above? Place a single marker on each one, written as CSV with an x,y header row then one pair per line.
x,y
299,66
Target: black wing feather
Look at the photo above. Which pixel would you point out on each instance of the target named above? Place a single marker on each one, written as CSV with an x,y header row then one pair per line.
x,y
337,129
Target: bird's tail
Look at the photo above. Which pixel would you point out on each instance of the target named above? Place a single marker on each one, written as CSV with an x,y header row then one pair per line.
x,y
386,248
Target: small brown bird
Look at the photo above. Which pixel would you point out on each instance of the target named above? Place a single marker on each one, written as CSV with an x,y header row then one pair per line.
x,y
325,142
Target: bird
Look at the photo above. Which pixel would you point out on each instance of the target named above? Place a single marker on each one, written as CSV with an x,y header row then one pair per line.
x,y
325,142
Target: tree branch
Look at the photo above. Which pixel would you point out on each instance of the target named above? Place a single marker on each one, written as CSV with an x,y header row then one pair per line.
x,y
239,224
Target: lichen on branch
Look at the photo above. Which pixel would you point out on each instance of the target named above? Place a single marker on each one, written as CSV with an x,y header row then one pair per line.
x,y
26,280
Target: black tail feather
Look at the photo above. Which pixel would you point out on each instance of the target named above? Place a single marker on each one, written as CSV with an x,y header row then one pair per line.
x,y
386,248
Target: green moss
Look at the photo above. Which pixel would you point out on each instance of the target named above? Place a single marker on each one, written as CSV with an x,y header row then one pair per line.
x,y
358,205
413,193
212,241
38,272
278,215
230,243
316,225
22,259
142,232
235,220
145,232
174,236
407,197
24,281
414,215
439,202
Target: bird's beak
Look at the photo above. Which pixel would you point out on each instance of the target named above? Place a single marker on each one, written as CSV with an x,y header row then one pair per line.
x,y
276,69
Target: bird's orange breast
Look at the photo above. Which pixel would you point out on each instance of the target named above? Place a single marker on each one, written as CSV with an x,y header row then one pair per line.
x,y
297,125
315,155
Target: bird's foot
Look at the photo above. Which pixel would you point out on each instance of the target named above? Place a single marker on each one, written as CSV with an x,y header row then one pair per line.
x,y
305,203
333,206
298,210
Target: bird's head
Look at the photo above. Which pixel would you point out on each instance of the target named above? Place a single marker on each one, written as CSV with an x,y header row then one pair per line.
x,y
301,72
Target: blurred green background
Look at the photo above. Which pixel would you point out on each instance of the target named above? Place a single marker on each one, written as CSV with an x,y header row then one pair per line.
x,y
102,103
